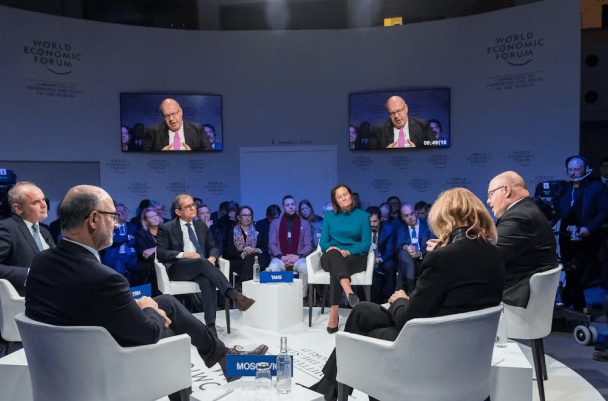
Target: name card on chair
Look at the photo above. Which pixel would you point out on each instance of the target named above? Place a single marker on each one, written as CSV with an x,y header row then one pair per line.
x,y
244,365
141,291
276,277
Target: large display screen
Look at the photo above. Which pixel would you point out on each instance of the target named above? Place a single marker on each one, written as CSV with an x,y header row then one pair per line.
x,y
406,119
154,122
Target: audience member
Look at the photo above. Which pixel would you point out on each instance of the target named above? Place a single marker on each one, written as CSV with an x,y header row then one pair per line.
x,y
525,236
21,236
159,206
223,210
400,131
604,170
583,209
438,132
307,212
121,255
384,238
70,287
395,203
385,215
345,242
210,132
55,227
125,139
412,237
289,242
356,199
354,143
365,131
242,246
227,223
145,246
465,274
204,215
143,205
137,137
421,210
174,134
273,212
182,247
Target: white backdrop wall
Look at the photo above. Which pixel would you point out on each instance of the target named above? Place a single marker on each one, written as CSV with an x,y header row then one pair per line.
x,y
290,88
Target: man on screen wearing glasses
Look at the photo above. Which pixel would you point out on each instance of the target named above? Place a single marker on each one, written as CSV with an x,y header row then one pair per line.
x,y
174,133
400,130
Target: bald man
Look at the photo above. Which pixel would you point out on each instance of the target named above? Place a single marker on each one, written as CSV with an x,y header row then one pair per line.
x,y
69,286
174,134
525,236
400,130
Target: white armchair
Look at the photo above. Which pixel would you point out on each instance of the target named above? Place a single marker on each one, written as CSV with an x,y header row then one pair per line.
x,y
76,363
534,321
11,304
183,287
316,275
440,358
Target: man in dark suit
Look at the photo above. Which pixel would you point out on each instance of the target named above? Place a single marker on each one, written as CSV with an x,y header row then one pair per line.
x,y
400,131
525,237
383,243
121,255
412,238
21,236
182,246
71,287
174,133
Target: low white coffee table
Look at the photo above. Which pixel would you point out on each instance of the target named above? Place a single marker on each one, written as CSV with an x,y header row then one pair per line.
x,y
510,375
277,305
15,381
244,391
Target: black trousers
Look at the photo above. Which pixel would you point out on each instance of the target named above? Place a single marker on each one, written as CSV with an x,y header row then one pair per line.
x,y
367,319
207,276
407,270
338,267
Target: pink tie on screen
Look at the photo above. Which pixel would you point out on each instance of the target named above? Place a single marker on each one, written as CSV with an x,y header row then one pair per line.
x,y
176,142
401,140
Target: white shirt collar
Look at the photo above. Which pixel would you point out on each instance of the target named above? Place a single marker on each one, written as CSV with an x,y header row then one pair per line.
x,y
88,248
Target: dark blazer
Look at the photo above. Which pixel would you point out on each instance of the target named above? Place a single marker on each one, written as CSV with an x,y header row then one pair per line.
x,y
424,234
118,240
17,249
68,286
528,246
157,137
145,240
386,241
170,241
463,276
382,134
263,229
590,211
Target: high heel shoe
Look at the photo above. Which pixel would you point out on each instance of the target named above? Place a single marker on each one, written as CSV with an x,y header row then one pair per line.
x,y
332,330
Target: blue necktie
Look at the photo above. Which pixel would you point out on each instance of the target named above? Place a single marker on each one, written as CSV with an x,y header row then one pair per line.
x,y
415,244
197,246
37,237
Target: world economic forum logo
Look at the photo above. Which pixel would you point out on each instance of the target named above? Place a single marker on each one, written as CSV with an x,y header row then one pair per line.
x,y
517,49
58,58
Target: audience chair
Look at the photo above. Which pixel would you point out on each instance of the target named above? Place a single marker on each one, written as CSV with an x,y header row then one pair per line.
x,y
181,287
11,304
225,269
534,322
439,358
316,275
77,363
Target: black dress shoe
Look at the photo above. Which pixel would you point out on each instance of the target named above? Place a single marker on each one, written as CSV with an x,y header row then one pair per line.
x,y
353,300
332,330
601,356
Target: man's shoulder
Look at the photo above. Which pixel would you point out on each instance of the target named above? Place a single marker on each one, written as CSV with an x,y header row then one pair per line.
x,y
193,125
11,223
419,121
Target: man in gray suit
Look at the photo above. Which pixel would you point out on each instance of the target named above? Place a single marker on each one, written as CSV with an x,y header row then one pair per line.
x,y
21,237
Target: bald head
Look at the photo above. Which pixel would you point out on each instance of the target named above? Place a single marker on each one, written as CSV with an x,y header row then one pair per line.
x,y
172,114
504,190
86,215
397,111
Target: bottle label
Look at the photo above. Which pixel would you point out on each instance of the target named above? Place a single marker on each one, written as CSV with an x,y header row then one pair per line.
x,y
276,277
244,365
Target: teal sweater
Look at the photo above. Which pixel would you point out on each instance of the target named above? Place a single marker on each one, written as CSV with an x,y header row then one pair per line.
x,y
348,231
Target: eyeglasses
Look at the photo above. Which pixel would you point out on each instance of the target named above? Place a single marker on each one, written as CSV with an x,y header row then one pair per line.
x,y
168,116
190,206
494,190
394,113
116,215
246,215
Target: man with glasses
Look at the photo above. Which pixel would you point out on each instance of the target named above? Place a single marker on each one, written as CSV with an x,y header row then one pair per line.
x,y
121,255
524,236
71,287
21,236
400,130
187,249
174,134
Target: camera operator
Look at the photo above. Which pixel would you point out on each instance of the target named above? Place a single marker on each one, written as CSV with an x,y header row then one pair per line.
x,y
583,209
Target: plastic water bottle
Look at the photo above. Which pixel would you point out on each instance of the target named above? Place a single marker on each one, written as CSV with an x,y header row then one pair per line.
x,y
256,270
283,369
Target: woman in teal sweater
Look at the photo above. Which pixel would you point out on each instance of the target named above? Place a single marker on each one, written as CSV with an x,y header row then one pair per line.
x,y
345,242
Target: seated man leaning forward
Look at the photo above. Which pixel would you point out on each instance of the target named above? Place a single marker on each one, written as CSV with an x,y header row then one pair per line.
x,y
69,286
289,242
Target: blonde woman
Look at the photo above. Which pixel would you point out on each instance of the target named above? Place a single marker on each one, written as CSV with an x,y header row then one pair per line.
x,y
463,272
